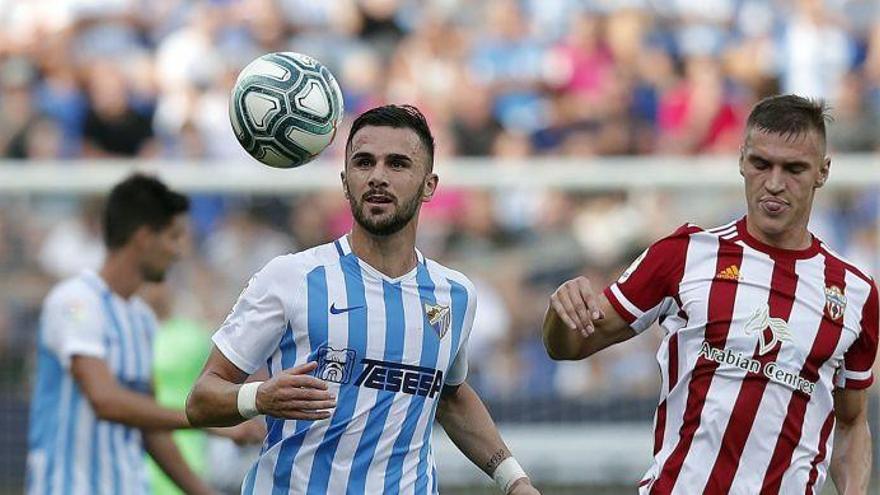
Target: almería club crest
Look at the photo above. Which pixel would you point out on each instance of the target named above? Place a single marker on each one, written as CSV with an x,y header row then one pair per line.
x,y
835,302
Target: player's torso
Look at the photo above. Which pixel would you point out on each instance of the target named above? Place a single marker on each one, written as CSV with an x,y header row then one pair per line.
x,y
785,319
754,342
129,331
385,347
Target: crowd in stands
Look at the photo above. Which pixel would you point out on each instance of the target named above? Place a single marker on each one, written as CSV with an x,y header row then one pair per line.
x,y
98,79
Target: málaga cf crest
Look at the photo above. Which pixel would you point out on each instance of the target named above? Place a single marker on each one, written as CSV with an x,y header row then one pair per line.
x,y
835,302
438,317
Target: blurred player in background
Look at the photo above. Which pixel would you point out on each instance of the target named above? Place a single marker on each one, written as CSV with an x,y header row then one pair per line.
x,y
93,414
365,340
770,335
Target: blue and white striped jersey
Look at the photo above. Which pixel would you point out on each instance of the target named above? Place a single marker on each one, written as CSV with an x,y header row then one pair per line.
x,y
385,346
70,451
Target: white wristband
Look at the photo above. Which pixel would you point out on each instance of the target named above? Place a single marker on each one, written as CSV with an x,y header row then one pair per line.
x,y
507,473
247,400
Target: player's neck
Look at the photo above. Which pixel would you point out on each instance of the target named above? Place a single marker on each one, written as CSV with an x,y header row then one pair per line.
x,y
794,239
121,274
393,255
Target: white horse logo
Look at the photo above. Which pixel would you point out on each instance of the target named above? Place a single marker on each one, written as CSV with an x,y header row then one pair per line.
x,y
760,321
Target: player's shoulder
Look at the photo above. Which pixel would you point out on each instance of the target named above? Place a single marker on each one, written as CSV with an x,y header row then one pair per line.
x,y
83,289
438,270
848,265
688,229
678,238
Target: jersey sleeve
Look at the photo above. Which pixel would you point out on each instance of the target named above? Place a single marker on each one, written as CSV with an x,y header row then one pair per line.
x,y
459,369
855,372
254,327
644,290
74,325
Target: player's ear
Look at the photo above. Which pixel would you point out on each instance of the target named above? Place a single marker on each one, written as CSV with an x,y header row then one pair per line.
x,y
431,181
824,170
742,157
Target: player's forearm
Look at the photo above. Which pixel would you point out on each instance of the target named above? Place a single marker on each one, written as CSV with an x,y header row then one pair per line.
x,y
561,342
470,427
161,447
136,409
213,401
851,461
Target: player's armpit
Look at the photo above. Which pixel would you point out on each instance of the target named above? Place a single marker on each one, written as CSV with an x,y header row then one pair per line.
x,y
449,390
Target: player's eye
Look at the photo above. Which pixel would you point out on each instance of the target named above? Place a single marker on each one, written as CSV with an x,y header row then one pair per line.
x,y
760,163
362,162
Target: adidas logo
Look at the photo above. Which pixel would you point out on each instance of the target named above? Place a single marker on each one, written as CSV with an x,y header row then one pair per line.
x,y
729,273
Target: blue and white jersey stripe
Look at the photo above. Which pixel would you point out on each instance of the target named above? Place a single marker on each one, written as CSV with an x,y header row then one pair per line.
x,y
385,346
70,451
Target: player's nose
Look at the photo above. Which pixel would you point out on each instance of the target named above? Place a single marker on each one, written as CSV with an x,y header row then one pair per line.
x,y
378,177
775,182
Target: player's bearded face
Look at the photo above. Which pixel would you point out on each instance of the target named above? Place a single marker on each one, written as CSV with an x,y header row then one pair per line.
x,y
382,222
386,178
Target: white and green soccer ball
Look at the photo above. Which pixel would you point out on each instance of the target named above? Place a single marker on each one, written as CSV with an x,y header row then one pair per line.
x,y
285,109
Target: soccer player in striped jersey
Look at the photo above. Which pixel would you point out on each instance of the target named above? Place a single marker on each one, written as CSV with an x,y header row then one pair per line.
x,y
365,341
769,335
93,415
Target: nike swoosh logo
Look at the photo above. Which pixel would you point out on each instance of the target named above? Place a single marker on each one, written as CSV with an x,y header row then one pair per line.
x,y
338,311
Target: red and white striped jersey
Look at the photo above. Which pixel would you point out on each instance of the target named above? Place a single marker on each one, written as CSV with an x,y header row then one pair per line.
x,y
756,339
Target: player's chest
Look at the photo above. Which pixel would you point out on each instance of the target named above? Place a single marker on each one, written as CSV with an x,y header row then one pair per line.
x,y
758,309
390,337
128,345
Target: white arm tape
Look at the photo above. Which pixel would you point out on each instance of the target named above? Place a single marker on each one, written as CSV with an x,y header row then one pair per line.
x,y
247,400
507,473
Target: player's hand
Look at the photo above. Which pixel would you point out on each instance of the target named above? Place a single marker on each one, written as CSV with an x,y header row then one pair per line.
x,y
294,394
577,306
523,486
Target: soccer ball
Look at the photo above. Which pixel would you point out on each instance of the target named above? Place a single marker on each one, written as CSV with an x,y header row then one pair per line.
x,y
285,109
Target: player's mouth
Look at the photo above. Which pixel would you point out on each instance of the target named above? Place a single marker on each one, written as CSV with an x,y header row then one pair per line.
x,y
773,206
375,199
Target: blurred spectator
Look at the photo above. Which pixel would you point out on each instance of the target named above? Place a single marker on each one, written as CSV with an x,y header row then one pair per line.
x,y
75,243
113,127
242,244
855,124
815,51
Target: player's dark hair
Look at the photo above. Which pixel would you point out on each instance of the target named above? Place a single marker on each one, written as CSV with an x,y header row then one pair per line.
x,y
397,116
789,115
138,201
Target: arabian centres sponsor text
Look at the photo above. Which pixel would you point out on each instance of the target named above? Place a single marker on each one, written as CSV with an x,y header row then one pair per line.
x,y
771,370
